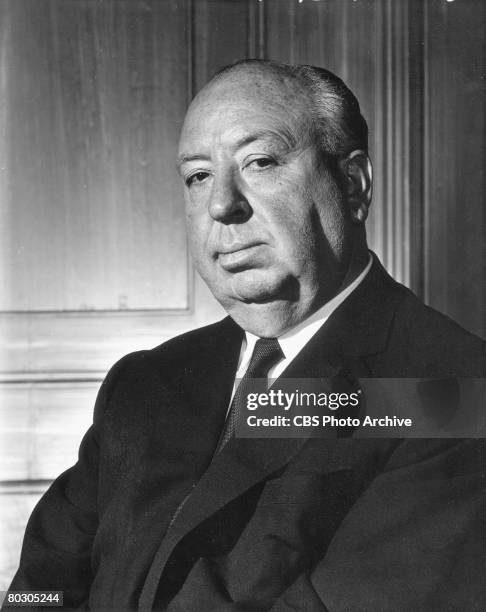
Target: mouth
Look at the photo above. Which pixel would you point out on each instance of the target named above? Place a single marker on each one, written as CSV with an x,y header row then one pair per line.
x,y
239,256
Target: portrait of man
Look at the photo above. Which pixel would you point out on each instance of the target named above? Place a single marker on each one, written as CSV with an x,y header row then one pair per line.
x,y
167,508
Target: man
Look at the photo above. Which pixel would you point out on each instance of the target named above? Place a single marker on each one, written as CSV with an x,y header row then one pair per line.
x,y
166,507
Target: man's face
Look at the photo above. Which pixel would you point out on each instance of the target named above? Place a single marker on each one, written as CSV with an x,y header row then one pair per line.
x,y
266,220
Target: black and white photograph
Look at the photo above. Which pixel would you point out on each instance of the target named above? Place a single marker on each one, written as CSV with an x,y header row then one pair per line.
x,y
243,305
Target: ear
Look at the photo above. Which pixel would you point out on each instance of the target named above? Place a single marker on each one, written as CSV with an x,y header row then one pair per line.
x,y
357,173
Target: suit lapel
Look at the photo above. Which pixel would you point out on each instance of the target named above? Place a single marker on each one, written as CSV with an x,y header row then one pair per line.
x,y
204,387
359,327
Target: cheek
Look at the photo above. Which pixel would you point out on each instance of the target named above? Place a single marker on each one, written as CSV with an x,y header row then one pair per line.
x,y
330,209
195,237
195,204
194,214
293,216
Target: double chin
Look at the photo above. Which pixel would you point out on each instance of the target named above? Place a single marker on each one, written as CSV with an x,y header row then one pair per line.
x,y
266,305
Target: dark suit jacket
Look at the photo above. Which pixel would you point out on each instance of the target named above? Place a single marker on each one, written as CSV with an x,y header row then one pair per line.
x,y
283,524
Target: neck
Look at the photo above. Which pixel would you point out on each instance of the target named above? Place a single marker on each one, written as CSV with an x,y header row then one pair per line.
x,y
272,319
268,320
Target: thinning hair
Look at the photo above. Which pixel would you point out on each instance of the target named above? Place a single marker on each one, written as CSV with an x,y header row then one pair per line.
x,y
341,128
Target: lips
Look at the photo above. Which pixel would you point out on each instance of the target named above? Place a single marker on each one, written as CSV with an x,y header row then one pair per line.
x,y
239,256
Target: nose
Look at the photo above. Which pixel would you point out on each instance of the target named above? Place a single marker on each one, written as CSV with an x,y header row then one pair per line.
x,y
227,202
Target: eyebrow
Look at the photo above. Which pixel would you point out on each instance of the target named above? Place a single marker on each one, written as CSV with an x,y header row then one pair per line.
x,y
187,157
285,137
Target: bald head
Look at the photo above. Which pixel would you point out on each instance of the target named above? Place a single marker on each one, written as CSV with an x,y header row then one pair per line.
x,y
253,98
335,110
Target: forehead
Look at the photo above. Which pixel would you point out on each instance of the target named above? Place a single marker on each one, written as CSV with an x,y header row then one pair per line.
x,y
247,104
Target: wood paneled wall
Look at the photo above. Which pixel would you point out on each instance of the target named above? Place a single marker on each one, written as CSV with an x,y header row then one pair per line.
x,y
94,258
95,101
454,213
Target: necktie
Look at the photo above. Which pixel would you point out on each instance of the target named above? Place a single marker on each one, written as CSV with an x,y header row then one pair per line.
x,y
266,354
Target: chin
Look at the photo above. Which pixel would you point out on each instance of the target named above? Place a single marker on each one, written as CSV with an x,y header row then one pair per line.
x,y
257,286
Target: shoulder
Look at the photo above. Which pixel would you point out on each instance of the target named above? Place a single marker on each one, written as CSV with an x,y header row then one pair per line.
x,y
435,344
403,337
148,377
202,340
175,356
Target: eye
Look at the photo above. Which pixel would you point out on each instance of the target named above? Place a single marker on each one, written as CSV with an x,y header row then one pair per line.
x,y
196,178
260,163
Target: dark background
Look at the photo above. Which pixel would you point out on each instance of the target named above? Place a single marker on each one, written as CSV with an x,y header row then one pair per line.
x,y
94,256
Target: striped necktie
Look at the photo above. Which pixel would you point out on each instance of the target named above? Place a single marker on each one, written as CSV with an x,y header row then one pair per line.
x,y
266,354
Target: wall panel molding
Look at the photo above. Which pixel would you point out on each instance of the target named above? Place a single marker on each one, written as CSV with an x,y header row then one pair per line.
x,y
109,75
256,30
42,424
95,98
78,345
